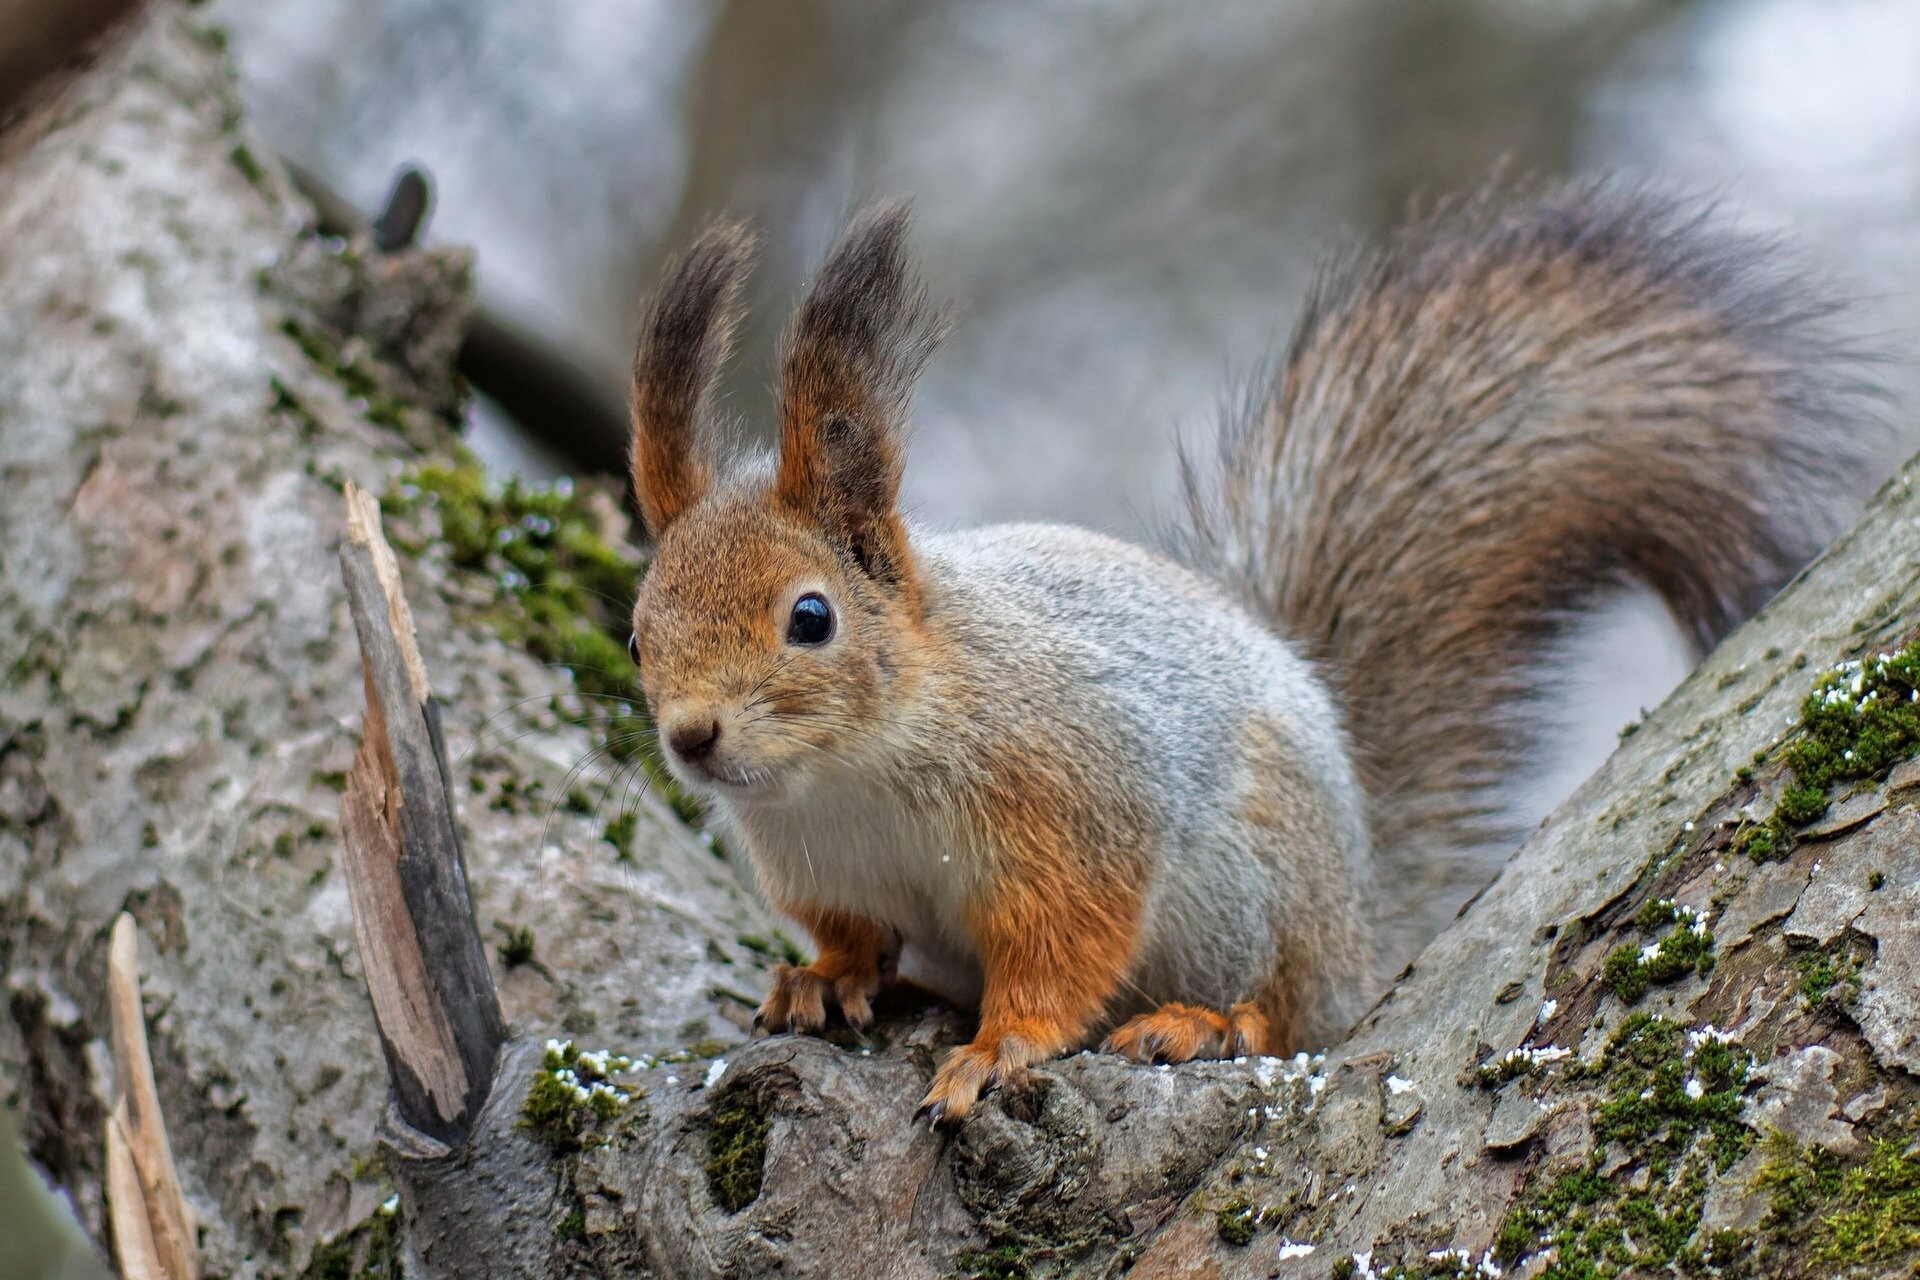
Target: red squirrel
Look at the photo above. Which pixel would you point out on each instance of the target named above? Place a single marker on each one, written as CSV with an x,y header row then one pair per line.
x,y
1203,801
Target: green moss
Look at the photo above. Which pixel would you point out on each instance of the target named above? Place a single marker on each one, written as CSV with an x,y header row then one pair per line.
x,y
1795,1180
517,949
1879,1217
1858,721
1235,1221
1824,969
249,166
738,1125
560,591
620,832
369,1252
1001,1262
1863,1212
1762,840
1515,1063
1631,970
571,1094
515,796
1801,805
1670,1104
779,948
358,378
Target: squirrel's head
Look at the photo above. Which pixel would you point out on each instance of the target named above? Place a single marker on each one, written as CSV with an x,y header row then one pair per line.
x,y
781,612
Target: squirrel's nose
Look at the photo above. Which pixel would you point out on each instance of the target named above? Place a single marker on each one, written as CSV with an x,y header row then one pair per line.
x,y
694,741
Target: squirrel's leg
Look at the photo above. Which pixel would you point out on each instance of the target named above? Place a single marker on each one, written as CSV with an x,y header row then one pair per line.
x,y
855,955
1051,959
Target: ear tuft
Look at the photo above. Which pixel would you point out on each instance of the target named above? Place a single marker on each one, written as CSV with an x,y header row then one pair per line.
x,y
683,342
856,345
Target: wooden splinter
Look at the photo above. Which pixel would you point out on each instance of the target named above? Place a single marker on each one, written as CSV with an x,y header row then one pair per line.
x,y
426,967
153,1230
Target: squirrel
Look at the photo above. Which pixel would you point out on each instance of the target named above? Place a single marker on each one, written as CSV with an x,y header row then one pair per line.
x,y
1202,802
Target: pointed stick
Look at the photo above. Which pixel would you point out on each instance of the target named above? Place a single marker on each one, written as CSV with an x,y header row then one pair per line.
x,y
170,1222
426,967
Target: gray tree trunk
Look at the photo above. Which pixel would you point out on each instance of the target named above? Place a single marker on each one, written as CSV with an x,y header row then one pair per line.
x,y
180,683
181,703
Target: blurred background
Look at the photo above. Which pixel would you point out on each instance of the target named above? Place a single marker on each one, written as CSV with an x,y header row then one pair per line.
x,y
1121,199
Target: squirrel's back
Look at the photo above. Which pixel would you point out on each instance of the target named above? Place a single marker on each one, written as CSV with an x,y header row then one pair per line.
x,y
1483,427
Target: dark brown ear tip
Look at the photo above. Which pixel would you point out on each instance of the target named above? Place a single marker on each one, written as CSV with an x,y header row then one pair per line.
x,y
868,302
889,221
874,246
725,243
704,281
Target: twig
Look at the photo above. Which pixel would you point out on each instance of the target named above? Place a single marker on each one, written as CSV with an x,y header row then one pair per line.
x,y
426,966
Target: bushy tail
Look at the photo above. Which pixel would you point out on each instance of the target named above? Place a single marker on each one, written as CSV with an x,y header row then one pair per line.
x,y
1510,410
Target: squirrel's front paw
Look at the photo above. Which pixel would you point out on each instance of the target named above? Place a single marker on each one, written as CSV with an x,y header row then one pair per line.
x,y
799,999
970,1071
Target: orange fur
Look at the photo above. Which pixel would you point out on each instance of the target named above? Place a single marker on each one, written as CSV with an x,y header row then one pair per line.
x,y
1054,930
1184,1032
855,957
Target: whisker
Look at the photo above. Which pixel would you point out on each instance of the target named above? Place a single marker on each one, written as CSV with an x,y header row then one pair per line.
x,y
481,732
778,667
845,717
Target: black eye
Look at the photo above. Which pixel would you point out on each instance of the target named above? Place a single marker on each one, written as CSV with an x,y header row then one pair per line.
x,y
633,647
811,621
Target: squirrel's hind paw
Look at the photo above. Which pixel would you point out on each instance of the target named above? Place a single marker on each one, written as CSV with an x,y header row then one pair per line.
x,y
798,1000
1185,1032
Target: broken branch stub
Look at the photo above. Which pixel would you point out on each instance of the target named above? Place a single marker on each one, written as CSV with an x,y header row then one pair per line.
x,y
153,1229
426,968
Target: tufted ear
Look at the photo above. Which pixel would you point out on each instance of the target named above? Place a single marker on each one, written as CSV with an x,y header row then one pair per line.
x,y
858,341
683,341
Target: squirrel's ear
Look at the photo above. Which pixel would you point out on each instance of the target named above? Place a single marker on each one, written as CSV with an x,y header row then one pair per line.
x,y
683,341
847,371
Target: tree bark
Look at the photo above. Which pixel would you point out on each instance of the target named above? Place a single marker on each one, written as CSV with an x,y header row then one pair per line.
x,y
183,694
188,376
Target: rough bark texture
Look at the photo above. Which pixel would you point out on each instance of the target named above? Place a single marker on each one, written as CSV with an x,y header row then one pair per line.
x,y
184,688
180,685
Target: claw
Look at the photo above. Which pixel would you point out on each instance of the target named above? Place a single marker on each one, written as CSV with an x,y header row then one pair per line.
x,y
934,1113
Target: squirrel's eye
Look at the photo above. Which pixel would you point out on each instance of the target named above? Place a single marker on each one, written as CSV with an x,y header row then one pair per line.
x,y
811,621
633,647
